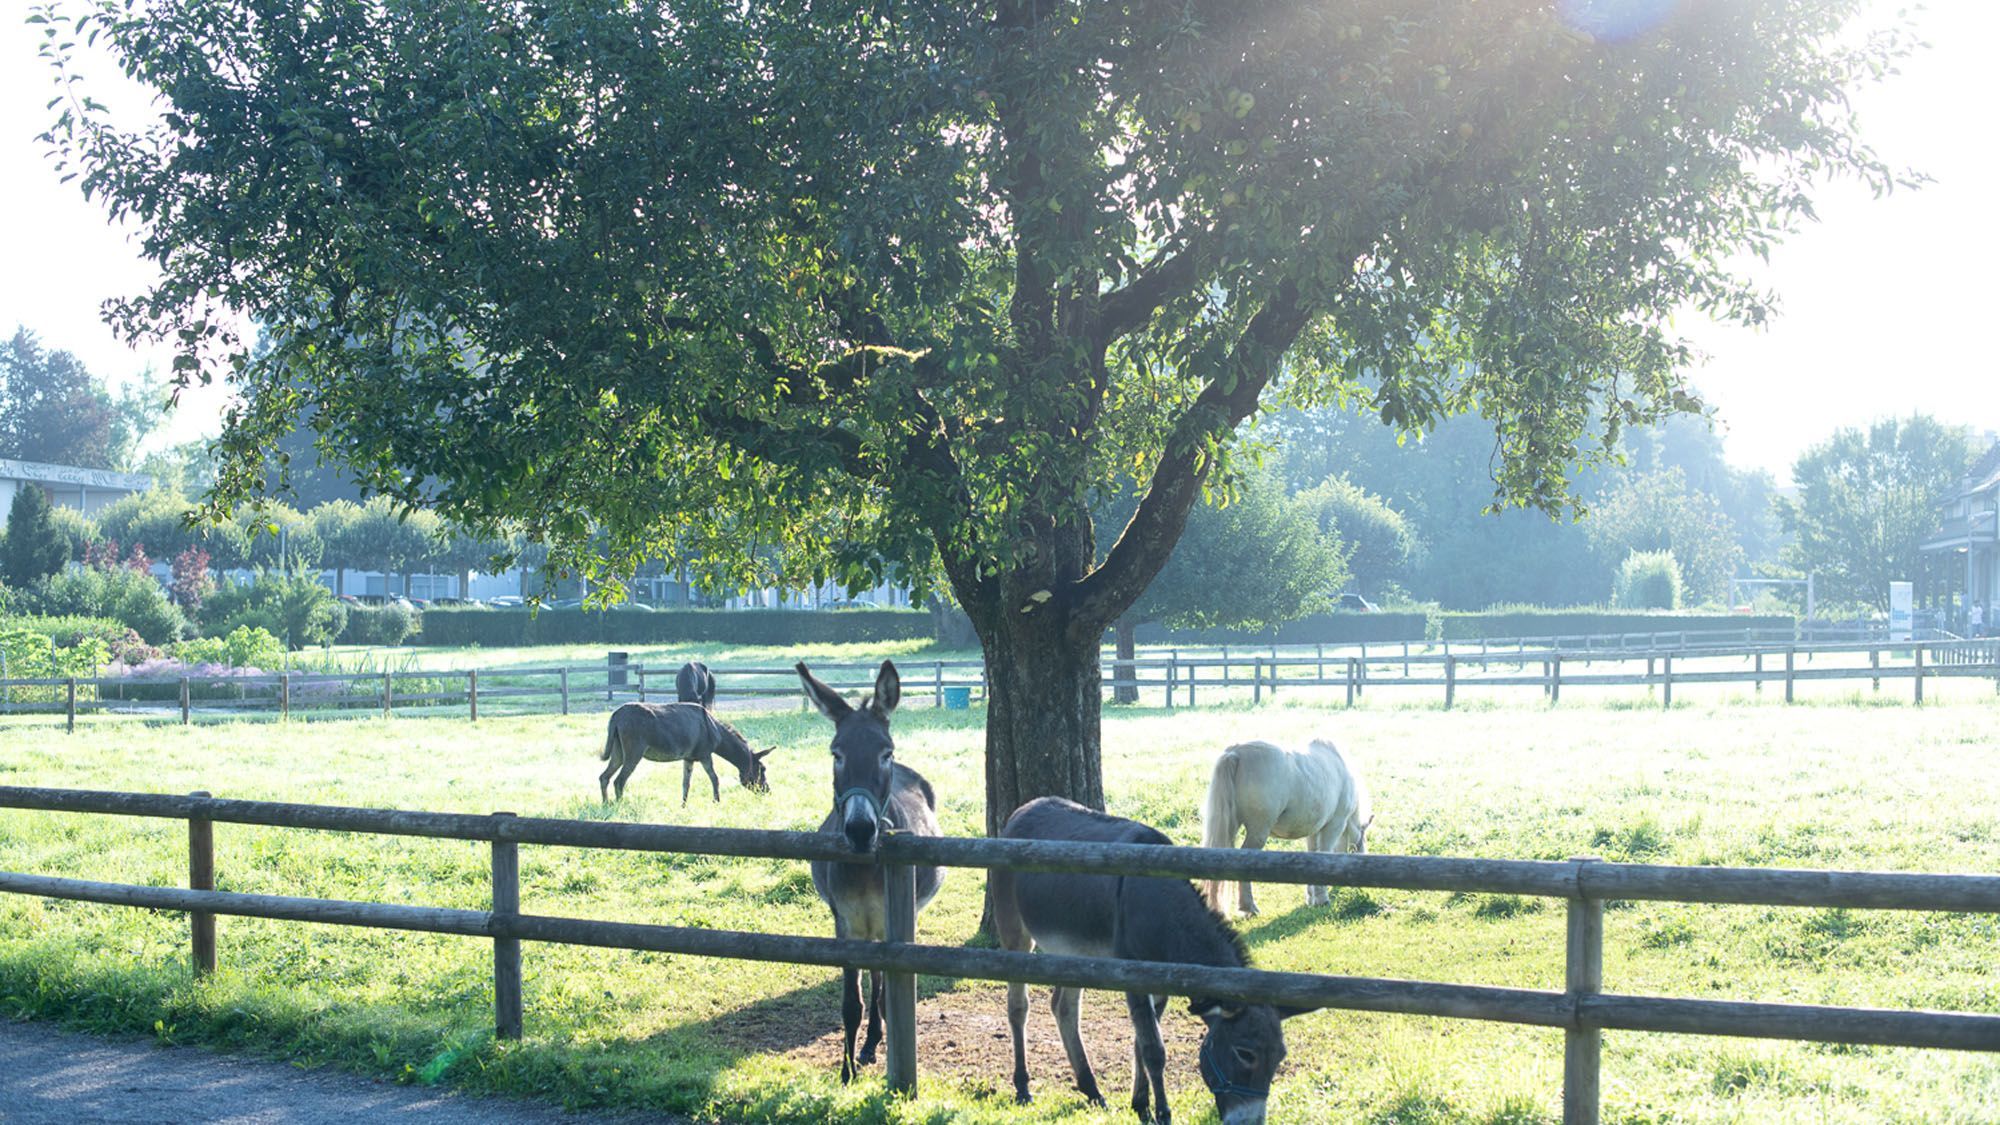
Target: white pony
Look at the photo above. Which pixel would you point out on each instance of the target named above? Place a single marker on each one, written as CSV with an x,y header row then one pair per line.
x,y
1262,790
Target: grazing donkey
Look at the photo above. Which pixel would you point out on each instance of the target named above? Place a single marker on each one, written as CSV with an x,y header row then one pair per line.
x,y
1138,919
677,732
694,684
872,793
1262,790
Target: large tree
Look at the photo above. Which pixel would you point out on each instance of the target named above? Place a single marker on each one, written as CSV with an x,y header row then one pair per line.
x,y
53,410
893,285
1866,499
1660,511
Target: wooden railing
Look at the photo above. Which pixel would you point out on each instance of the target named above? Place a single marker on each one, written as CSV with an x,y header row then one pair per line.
x,y
1175,678
1582,1009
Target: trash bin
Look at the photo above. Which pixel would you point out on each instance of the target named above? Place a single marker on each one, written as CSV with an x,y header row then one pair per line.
x,y
957,698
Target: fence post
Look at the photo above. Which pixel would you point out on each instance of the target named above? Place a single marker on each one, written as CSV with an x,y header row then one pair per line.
x,y
1649,675
640,672
1667,681
388,693
1583,976
1351,681
1450,679
472,692
185,709
285,695
1918,652
1194,677
1172,662
1555,679
900,989
71,722
1256,679
201,877
1791,655
1227,679
1875,662
1760,673
1319,663
506,950
564,672
937,683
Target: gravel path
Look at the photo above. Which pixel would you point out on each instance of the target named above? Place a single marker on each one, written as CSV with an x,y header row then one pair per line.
x,y
50,1076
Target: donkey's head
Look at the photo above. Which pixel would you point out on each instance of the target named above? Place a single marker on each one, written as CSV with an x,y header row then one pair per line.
x,y
1239,1055
864,756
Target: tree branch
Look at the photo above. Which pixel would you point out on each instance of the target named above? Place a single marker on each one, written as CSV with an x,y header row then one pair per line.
x,y
1149,537
1124,310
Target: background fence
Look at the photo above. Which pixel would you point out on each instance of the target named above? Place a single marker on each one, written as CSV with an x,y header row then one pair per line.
x,y
1583,1010
1172,677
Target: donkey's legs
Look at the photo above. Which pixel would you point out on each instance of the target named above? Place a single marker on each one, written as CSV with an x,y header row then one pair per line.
x,y
1149,1055
625,772
850,1019
1067,1004
604,779
1254,837
687,777
1013,935
708,764
874,1037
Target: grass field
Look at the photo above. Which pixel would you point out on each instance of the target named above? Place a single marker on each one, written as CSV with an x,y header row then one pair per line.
x,y
1819,785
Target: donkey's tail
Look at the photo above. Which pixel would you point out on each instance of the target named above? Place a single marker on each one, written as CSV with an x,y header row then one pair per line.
x,y
610,743
1219,825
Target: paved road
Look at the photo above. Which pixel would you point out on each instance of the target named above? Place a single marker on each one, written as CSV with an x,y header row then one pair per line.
x,y
49,1076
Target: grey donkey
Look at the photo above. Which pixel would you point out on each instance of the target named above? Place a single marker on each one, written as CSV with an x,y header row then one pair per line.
x,y
677,732
694,684
872,793
1138,919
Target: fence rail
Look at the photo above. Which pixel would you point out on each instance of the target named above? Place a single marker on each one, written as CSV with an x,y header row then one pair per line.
x,y
1180,678
1582,1010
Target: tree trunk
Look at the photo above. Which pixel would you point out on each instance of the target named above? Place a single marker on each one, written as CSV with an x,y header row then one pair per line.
x,y
1042,713
339,581
1125,631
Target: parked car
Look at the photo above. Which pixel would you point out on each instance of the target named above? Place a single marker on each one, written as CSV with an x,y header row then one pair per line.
x,y
564,603
506,601
1353,603
848,603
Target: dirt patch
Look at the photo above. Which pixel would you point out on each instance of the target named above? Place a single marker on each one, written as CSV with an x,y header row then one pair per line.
x,y
962,1034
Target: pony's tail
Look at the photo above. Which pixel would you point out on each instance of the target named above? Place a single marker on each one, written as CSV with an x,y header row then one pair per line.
x,y
1218,826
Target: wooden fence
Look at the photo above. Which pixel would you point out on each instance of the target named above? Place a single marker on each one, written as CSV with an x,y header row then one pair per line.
x,y
1583,1010
1174,677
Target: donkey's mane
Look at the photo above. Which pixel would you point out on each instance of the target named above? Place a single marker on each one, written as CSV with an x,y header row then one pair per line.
x,y
1223,927
735,743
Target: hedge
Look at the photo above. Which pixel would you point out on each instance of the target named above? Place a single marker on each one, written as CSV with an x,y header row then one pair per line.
x,y
1415,626
501,628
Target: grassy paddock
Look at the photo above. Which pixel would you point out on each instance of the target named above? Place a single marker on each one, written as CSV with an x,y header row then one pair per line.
x,y
1825,785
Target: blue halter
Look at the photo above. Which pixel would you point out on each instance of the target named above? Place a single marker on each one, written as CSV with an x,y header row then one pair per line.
x,y
1219,1084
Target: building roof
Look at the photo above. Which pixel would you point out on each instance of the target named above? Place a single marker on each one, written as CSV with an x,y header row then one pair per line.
x,y
73,475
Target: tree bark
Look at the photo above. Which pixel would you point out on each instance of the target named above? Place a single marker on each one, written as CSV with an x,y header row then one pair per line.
x,y
1043,705
1126,632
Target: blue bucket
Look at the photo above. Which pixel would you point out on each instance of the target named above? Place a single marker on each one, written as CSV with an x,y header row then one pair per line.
x,y
957,698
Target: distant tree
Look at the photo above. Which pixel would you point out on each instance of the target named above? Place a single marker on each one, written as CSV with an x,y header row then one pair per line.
x,y
53,410
1647,580
392,540
187,467
190,582
165,523
77,529
1659,511
338,524
1747,496
1257,561
460,552
280,537
1376,538
33,549
1865,501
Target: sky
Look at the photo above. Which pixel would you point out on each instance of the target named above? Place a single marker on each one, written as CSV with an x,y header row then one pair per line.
x,y
1883,302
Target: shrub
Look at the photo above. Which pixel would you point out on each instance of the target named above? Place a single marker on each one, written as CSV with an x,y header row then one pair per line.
x,y
244,648
292,607
1647,580
498,628
390,624
128,596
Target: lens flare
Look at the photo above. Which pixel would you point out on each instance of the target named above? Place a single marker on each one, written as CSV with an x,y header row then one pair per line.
x,y
1615,20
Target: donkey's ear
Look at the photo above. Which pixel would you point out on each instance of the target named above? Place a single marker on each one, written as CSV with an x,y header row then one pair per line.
x,y
763,754
823,697
888,688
